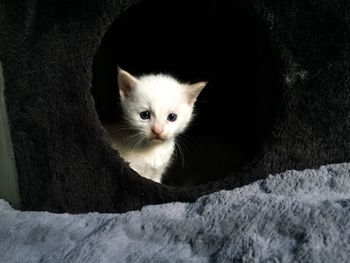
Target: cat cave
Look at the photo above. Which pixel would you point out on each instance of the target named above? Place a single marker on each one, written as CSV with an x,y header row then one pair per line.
x,y
277,97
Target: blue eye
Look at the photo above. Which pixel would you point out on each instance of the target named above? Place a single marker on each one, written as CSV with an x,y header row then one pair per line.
x,y
172,117
145,115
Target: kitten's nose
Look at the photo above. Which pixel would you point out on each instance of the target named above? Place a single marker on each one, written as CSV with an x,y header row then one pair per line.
x,y
157,129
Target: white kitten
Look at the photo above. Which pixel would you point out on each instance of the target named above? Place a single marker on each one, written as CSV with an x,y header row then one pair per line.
x,y
156,108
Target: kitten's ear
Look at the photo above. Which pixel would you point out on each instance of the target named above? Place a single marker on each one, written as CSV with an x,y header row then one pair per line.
x,y
194,90
126,83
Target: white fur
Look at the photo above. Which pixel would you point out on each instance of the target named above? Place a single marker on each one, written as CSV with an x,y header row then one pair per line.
x,y
160,95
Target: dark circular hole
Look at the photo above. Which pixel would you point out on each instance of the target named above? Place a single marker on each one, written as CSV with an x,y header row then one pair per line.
x,y
218,41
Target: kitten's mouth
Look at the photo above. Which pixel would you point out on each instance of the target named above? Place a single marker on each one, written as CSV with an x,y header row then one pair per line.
x,y
157,139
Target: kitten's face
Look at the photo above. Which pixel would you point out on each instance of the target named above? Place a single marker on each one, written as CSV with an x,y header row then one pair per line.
x,y
157,106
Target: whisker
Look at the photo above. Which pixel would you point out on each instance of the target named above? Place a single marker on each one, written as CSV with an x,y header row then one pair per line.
x,y
187,146
139,140
133,140
180,152
185,139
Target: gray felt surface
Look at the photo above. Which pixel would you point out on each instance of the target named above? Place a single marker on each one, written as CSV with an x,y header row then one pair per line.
x,y
291,217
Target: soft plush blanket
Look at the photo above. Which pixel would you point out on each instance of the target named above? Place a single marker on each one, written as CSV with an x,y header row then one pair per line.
x,y
290,217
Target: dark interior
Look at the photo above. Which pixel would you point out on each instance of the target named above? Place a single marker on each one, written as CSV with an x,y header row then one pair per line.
x,y
216,41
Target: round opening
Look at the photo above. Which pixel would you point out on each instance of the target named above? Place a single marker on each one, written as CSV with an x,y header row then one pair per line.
x,y
216,41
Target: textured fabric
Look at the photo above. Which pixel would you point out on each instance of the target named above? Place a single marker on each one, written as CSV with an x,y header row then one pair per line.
x,y
290,217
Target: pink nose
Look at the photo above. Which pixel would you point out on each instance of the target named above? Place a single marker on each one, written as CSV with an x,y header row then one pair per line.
x,y
157,129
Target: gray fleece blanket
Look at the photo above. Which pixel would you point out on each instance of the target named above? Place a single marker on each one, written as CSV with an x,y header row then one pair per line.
x,y
290,217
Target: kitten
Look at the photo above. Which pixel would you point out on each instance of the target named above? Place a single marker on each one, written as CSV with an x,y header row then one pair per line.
x,y
156,108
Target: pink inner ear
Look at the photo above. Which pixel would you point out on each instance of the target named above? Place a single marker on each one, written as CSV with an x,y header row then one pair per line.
x,y
126,83
124,88
194,91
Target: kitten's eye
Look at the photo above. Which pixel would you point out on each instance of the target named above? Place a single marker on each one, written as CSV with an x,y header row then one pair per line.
x,y
145,115
172,117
